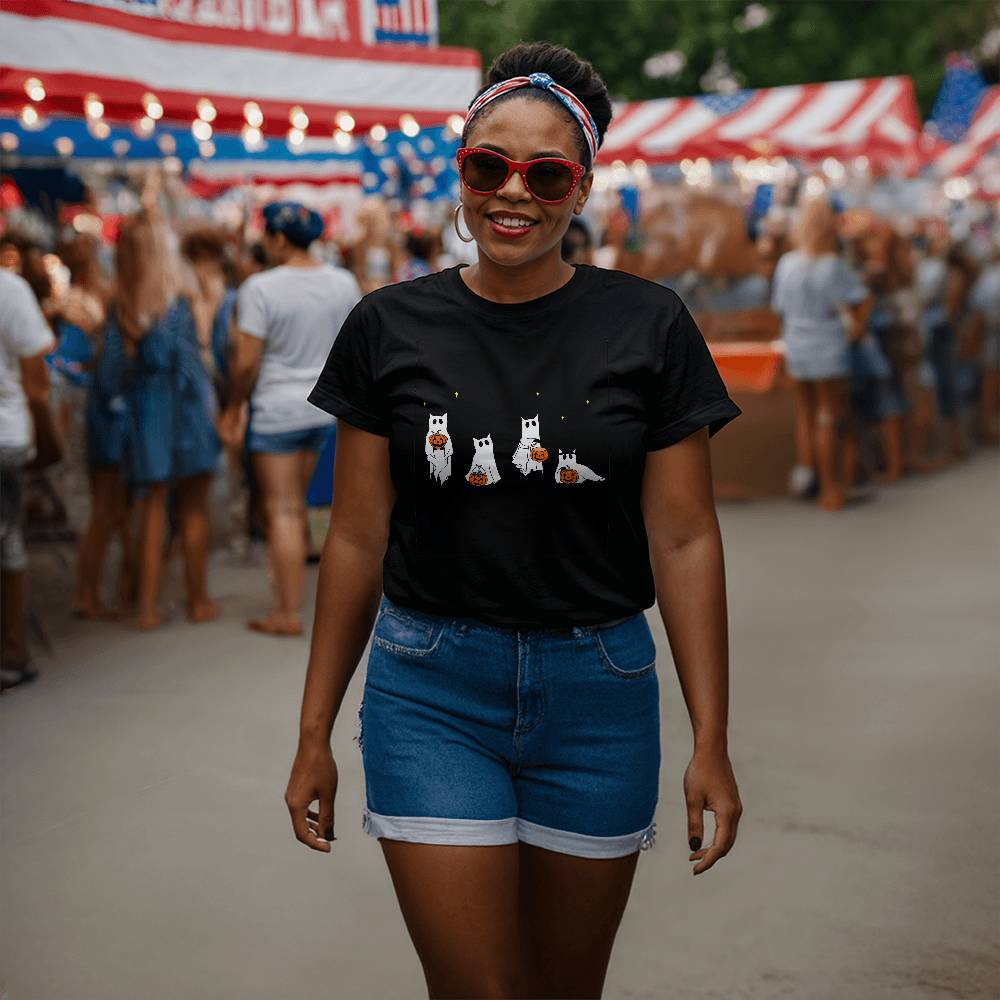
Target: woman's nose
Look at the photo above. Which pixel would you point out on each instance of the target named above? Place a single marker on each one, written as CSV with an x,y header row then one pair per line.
x,y
515,189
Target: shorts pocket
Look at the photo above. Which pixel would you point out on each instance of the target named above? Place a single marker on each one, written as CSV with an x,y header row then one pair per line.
x,y
406,635
627,649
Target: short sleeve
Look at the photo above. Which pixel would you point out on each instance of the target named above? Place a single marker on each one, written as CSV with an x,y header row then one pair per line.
x,y
25,328
687,392
848,287
778,286
348,385
251,312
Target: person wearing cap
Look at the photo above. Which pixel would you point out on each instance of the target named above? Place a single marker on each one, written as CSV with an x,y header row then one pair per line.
x,y
287,319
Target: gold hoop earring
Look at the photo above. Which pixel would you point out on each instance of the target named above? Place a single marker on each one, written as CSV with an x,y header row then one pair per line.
x,y
458,208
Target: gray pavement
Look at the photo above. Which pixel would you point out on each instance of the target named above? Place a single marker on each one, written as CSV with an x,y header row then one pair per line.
x,y
145,850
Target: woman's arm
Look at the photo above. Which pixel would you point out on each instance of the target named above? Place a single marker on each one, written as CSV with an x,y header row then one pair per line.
x,y
347,601
686,553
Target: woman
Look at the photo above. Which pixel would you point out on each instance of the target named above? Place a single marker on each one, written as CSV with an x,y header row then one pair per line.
x,y
824,308
287,319
170,408
516,438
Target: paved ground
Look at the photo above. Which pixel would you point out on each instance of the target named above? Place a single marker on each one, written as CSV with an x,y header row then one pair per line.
x,y
146,851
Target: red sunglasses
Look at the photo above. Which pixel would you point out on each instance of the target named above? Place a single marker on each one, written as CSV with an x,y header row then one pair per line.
x,y
550,179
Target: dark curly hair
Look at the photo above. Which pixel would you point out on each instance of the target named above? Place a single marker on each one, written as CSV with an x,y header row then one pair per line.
x,y
567,69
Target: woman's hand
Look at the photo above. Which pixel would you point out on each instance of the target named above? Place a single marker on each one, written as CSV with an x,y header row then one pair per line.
x,y
709,784
314,776
232,425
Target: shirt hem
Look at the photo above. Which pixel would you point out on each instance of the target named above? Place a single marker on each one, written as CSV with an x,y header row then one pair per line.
x,y
344,410
716,415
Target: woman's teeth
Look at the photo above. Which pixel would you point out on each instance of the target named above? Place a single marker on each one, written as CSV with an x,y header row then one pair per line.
x,y
511,223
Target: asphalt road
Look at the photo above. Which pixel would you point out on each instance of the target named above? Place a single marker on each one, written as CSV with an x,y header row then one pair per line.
x,y
145,850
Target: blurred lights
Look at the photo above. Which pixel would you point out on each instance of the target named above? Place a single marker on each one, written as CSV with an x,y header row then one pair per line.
x,y
253,114
409,125
252,137
456,123
93,107
298,118
834,169
201,130
167,145
345,121
34,89
64,145
99,130
152,107
378,132
206,150
29,116
342,139
957,188
8,142
206,110
815,186
296,137
144,126
120,147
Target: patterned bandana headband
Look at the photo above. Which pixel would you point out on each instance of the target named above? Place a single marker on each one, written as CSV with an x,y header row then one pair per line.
x,y
544,82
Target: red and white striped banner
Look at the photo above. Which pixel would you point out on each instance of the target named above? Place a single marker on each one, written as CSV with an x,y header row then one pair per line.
x,y
959,158
874,117
281,54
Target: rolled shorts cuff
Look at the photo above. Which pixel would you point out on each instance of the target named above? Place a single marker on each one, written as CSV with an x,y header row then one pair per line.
x,y
495,832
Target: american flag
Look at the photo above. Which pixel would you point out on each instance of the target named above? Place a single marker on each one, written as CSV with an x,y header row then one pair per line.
x,y
957,99
411,22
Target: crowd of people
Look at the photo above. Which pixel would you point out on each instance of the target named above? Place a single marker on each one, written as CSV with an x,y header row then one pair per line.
x,y
189,363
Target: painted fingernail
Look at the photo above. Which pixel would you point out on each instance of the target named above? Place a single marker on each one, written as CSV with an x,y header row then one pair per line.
x,y
694,843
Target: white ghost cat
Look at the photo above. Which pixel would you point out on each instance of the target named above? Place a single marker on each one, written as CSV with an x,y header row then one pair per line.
x,y
568,462
484,461
439,458
529,439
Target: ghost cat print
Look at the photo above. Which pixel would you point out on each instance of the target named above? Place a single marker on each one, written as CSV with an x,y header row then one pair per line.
x,y
483,470
438,447
529,454
570,472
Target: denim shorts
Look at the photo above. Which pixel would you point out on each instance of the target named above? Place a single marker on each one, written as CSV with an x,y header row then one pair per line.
x,y
287,442
473,734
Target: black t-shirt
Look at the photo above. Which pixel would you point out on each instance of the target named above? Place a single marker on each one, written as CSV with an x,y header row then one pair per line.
x,y
518,435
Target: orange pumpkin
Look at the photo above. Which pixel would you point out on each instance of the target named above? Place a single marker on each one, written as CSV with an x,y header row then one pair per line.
x,y
438,440
569,476
478,477
539,454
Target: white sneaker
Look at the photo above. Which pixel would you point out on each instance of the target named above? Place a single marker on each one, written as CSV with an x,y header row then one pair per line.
x,y
800,480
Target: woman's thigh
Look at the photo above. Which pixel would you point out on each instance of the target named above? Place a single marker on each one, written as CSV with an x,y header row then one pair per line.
x,y
460,907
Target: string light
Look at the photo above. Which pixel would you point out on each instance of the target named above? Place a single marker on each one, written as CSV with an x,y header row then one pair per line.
x,y
99,129
298,118
93,106
296,136
120,147
409,125
34,89
154,109
64,145
342,139
29,116
145,125
201,130
345,121
206,110
252,137
253,114
8,142
206,149
378,133
456,123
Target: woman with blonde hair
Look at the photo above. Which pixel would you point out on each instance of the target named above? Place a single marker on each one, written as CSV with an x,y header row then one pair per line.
x,y
824,308
171,438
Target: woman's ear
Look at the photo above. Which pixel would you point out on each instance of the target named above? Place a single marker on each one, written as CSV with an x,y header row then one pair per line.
x,y
584,192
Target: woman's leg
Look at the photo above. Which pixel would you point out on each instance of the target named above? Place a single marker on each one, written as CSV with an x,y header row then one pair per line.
x,y
105,511
192,498
989,405
570,910
805,397
152,528
460,907
279,476
831,403
307,465
892,448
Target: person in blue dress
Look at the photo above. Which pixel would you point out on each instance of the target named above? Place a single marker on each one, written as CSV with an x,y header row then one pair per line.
x,y
170,411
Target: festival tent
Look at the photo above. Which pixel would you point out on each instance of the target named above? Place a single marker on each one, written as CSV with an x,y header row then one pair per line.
x,y
876,117
983,134
277,67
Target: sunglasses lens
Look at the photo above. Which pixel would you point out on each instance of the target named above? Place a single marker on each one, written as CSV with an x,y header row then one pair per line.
x,y
483,171
550,181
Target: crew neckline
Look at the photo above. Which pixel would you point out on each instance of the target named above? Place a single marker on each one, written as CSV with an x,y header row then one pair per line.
x,y
558,297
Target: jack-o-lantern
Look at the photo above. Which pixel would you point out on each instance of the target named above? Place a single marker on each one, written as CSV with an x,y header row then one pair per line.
x,y
567,475
478,476
539,454
437,440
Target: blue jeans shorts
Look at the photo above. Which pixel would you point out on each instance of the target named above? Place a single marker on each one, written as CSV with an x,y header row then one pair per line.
x,y
288,442
473,734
